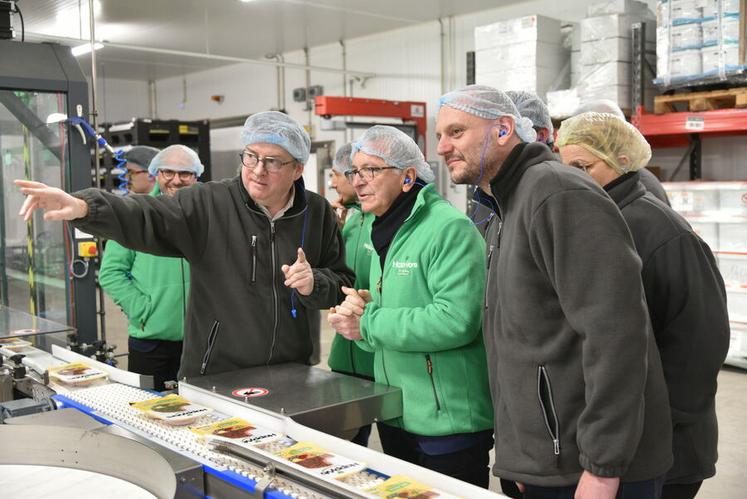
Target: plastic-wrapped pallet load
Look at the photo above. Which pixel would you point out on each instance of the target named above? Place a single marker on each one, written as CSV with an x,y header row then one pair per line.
x,y
606,50
522,54
698,39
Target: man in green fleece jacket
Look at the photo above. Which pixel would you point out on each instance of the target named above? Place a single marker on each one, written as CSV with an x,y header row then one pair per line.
x,y
152,290
345,356
420,317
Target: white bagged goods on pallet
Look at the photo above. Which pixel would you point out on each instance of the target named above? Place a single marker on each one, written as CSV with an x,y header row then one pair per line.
x,y
614,25
617,7
686,36
729,30
523,29
609,50
714,8
686,63
519,55
537,79
713,58
562,103
523,54
679,12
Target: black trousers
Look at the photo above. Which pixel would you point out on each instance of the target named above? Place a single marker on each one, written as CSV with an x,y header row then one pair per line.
x,y
681,490
469,465
158,358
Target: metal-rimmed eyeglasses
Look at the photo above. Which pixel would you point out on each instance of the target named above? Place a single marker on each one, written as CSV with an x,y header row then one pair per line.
x,y
169,174
367,173
272,165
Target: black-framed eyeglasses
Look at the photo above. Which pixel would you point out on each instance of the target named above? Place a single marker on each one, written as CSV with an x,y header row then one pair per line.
x,y
169,174
272,165
367,173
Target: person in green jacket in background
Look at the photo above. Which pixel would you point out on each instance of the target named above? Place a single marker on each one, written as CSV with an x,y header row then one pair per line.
x,y
152,290
345,356
421,316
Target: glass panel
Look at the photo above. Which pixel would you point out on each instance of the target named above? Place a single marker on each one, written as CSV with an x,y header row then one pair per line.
x,y
33,255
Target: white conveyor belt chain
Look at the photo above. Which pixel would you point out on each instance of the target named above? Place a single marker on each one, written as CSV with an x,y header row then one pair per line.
x,y
111,401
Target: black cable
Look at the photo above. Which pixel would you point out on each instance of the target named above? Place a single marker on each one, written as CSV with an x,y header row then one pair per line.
x,y
23,26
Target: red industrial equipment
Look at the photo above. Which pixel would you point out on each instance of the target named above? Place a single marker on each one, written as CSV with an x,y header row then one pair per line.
x,y
407,111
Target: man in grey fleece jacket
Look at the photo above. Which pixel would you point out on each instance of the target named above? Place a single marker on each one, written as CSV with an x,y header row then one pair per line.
x,y
580,401
265,254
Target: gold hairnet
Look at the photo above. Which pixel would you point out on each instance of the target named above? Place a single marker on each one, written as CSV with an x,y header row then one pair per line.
x,y
607,137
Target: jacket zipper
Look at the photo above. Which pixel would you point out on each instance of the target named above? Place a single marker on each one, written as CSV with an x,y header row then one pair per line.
x,y
380,289
429,366
274,291
553,427
487,279
212,336
254,258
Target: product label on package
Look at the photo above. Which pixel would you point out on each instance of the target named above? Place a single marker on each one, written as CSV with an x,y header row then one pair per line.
x,y
319,461
171,408
236,430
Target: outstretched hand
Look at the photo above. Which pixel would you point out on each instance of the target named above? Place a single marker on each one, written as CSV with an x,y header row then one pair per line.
x,y
299,276
56,203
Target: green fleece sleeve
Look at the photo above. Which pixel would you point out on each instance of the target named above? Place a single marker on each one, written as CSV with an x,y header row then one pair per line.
x,y
115,280
455,283
582,242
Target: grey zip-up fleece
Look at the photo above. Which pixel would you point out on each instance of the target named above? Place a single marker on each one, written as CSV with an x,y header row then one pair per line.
x,y
575,374
239,312
687,305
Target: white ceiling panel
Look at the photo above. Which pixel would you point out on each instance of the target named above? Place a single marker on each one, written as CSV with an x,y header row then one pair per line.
x,y
223,27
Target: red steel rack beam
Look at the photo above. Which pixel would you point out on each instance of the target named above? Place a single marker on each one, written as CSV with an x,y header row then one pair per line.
x,y
673,129
407,111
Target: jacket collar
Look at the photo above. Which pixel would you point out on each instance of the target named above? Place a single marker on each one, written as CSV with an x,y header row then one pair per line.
x,y
299,198
513,168
625,189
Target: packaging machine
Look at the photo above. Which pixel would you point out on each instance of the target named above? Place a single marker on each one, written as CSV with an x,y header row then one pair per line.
x,y
95,429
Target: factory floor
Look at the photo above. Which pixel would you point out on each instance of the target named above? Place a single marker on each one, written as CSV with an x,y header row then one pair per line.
x,y
731,406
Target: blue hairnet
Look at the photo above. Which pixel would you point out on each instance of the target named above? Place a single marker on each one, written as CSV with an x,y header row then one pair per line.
x,y
531,106
178,158
488,103
141,156
396,148
273,127
343,161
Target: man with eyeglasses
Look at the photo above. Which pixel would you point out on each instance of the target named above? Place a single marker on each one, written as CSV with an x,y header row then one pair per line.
x,y
419,316
152,290
265,255
139,181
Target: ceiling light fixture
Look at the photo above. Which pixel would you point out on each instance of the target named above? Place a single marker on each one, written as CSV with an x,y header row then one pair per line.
x,y
85,48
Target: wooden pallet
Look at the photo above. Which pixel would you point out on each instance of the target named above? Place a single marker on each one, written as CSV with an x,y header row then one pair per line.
x,y
701,101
